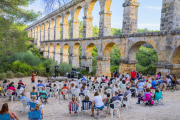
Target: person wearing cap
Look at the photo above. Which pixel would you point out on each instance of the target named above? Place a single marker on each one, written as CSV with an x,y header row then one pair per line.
x,y
114,98
20,82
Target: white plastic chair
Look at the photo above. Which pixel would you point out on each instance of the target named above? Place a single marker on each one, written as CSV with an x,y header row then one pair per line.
x,y
40,88
25,104
65,92
9,94
19,93
86,93
103,86
76,95
55,91
73,109
123,88
108,91
48,90
96,87
117,105
128,100
113,91
90,85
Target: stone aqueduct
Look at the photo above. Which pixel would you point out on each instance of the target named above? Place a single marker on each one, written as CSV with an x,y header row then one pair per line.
x,y
55,45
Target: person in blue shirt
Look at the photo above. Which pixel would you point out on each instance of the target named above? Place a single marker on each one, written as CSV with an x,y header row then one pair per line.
x,y
41,84
83,80
153,83
56,70
143,79
23,97
140,85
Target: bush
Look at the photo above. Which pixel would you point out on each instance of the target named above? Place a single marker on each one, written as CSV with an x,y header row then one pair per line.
x,y
83,72
10,74
2,76
17,66
93,72
64,68
113,68
19,74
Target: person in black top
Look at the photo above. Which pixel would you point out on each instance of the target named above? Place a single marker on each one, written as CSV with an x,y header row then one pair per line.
x,y
56,70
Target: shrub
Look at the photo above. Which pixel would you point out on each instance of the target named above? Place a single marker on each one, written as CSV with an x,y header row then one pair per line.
x,y
17,66
10,74
64,68
113,68
19,74
2,76
93,72
83,72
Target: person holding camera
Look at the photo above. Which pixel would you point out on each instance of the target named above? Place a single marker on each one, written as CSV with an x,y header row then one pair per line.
x,y
33,77
56,70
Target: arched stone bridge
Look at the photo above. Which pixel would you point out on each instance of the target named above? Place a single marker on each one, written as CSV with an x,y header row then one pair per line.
x,y
46,34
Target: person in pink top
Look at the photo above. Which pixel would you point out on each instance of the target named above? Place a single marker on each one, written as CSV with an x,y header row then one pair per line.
x,y
11,88
126,79
106,80
133,74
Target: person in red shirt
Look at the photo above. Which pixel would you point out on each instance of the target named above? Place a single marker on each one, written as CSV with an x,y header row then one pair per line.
x,y
65,87
11,88
20,82
133,74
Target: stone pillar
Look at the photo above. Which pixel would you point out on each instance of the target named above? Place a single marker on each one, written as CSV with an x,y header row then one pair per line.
x,y
74,60
64,31
51,33
74,29
38,38
105,23
130,16
46,34
86,61
170,17
58,57
103,67
57,32
87,26
164,68
125,66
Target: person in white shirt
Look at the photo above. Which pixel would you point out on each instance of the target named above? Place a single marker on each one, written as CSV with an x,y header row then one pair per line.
x,y
97,103
127,75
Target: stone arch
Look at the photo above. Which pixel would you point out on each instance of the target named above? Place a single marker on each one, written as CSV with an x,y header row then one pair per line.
x,y
66,53
76,14
52,29
90,7
46,50
42,47
107,49
76,48
33,32
57,53
66,16
51,51
175,59
75,56
89,49
135,47
108,5
46,30
58,19
42,32
36,34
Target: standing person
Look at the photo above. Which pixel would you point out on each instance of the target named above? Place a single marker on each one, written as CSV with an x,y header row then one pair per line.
x,y
56,70
33,76
133,74
115,73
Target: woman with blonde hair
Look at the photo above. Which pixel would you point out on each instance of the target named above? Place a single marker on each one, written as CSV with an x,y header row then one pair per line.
x,y
66,82
37,108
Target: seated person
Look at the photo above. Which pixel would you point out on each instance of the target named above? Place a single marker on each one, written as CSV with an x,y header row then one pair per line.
x,y
1,91
44,96
38,108
127,92
114,98
64,87
5,109
72,81
12,84
72,86
24,97
120,94
47,84
83,80
96,103
73,101
148,84
85,85
108,87
20,82
85,100
126,79
140,86
34,100
82,90
106,79
41,84
11,88
153,83
38,82
142,96
20,87
157,92
107,100
34,93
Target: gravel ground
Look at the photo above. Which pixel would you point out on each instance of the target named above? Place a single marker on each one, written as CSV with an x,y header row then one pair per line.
x,y
59,111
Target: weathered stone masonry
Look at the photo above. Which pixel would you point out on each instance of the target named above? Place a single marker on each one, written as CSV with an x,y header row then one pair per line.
x,y
55,45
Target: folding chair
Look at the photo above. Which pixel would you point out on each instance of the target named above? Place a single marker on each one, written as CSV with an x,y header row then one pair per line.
x,y
25,104
55,91
100,109
5,116
40,88
35,115
146,99
86,106
117,105
158,98
9,95
32,105
123,88
73,108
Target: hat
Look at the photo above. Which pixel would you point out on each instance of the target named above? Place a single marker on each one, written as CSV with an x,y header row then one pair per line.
x,y
20,80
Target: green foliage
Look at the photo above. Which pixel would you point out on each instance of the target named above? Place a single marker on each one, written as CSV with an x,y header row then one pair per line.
x,y
93,72
17,66
19,74
10,74
2,76
115,56
64,68
113,68
83,72
95,31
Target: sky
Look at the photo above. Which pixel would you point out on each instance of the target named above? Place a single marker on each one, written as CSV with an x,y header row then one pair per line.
x,y
149,13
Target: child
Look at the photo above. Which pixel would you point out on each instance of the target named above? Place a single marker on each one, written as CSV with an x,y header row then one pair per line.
x,y
86,100
1,91
65,87
73,101
107,100
119,93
